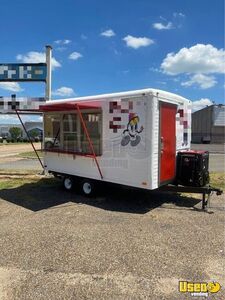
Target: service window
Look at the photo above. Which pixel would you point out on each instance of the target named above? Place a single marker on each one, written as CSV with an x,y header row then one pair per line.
x,y
52,131
93,123
70,140
64,132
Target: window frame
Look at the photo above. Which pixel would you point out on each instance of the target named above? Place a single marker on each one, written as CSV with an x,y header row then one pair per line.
x,y
78,134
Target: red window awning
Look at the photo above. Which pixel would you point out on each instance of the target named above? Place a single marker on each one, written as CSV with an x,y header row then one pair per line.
x,y
69,106
72,105
64,106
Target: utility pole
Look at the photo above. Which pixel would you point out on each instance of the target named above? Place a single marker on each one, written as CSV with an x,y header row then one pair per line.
x,y
49,72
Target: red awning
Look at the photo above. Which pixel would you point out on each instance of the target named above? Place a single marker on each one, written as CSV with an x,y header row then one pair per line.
x,y
69,106
63,106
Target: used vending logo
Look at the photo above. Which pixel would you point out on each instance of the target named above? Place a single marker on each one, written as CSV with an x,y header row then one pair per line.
x,y
201,289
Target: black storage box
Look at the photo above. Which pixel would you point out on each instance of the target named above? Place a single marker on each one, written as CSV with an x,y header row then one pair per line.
x,y
192,168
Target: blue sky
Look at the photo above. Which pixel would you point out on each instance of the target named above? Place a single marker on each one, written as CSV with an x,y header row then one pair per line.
x,y
110,46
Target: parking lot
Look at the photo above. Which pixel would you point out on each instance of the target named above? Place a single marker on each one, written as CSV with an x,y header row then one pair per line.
x,y
122,244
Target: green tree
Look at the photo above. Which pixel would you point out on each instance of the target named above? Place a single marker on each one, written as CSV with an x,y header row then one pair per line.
x,y
15,132
34,133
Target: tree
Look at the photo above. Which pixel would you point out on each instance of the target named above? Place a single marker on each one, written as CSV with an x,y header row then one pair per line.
x,y
34,132
15,132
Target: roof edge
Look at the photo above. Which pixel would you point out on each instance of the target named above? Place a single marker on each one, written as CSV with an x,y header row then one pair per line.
x,y
155,92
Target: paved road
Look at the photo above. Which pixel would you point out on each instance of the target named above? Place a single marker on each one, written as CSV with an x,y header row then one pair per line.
x,y
217,163
20,164
217,155
9,159
212,148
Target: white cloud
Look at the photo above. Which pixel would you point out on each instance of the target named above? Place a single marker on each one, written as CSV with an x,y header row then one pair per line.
x,y
178,14
75,55
177,18
200,58
152,69
63,92
108,33
203,81
12,119
161,26
137,42
199,104
61,49
11,86
40,118
65,42
62,42
37,57
9,119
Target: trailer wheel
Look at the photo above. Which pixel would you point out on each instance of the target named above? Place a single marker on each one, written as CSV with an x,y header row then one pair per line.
x,y
87,188
68,183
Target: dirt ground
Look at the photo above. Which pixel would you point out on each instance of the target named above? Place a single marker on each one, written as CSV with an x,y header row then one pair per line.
x,y
123,244
7,150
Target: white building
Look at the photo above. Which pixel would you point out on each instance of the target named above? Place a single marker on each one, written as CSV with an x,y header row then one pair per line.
x,y
208,124
4,128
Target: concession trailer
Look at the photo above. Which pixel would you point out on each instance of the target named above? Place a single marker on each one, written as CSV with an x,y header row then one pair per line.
x,y
129,138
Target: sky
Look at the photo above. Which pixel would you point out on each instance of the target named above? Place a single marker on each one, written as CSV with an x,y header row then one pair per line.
x,y
113,46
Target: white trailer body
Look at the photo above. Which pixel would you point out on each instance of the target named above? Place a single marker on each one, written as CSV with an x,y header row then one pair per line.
x,y
135,136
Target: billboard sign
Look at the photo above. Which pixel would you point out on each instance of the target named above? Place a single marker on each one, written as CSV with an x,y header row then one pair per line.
x,y
23,72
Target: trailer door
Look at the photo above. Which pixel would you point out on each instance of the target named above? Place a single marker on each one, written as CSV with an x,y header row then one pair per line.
x,y
167,143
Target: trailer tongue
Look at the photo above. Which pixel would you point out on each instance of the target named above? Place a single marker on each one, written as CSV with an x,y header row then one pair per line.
x,y
206,190
192,176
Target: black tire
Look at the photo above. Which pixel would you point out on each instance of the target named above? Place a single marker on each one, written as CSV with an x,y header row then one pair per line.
x,y
68,183
88,187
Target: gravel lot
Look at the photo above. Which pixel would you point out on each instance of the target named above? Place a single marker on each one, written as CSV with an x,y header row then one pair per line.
x,y
122,244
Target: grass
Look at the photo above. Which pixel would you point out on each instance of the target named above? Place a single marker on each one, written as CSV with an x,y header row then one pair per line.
x,y
30,154
217,180
11,183
14,183
16,172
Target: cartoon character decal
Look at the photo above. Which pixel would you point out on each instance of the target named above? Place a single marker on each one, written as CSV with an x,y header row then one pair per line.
x,y
125,118
132,133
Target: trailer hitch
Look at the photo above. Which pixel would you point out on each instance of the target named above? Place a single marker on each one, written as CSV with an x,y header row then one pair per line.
x,y
204,190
